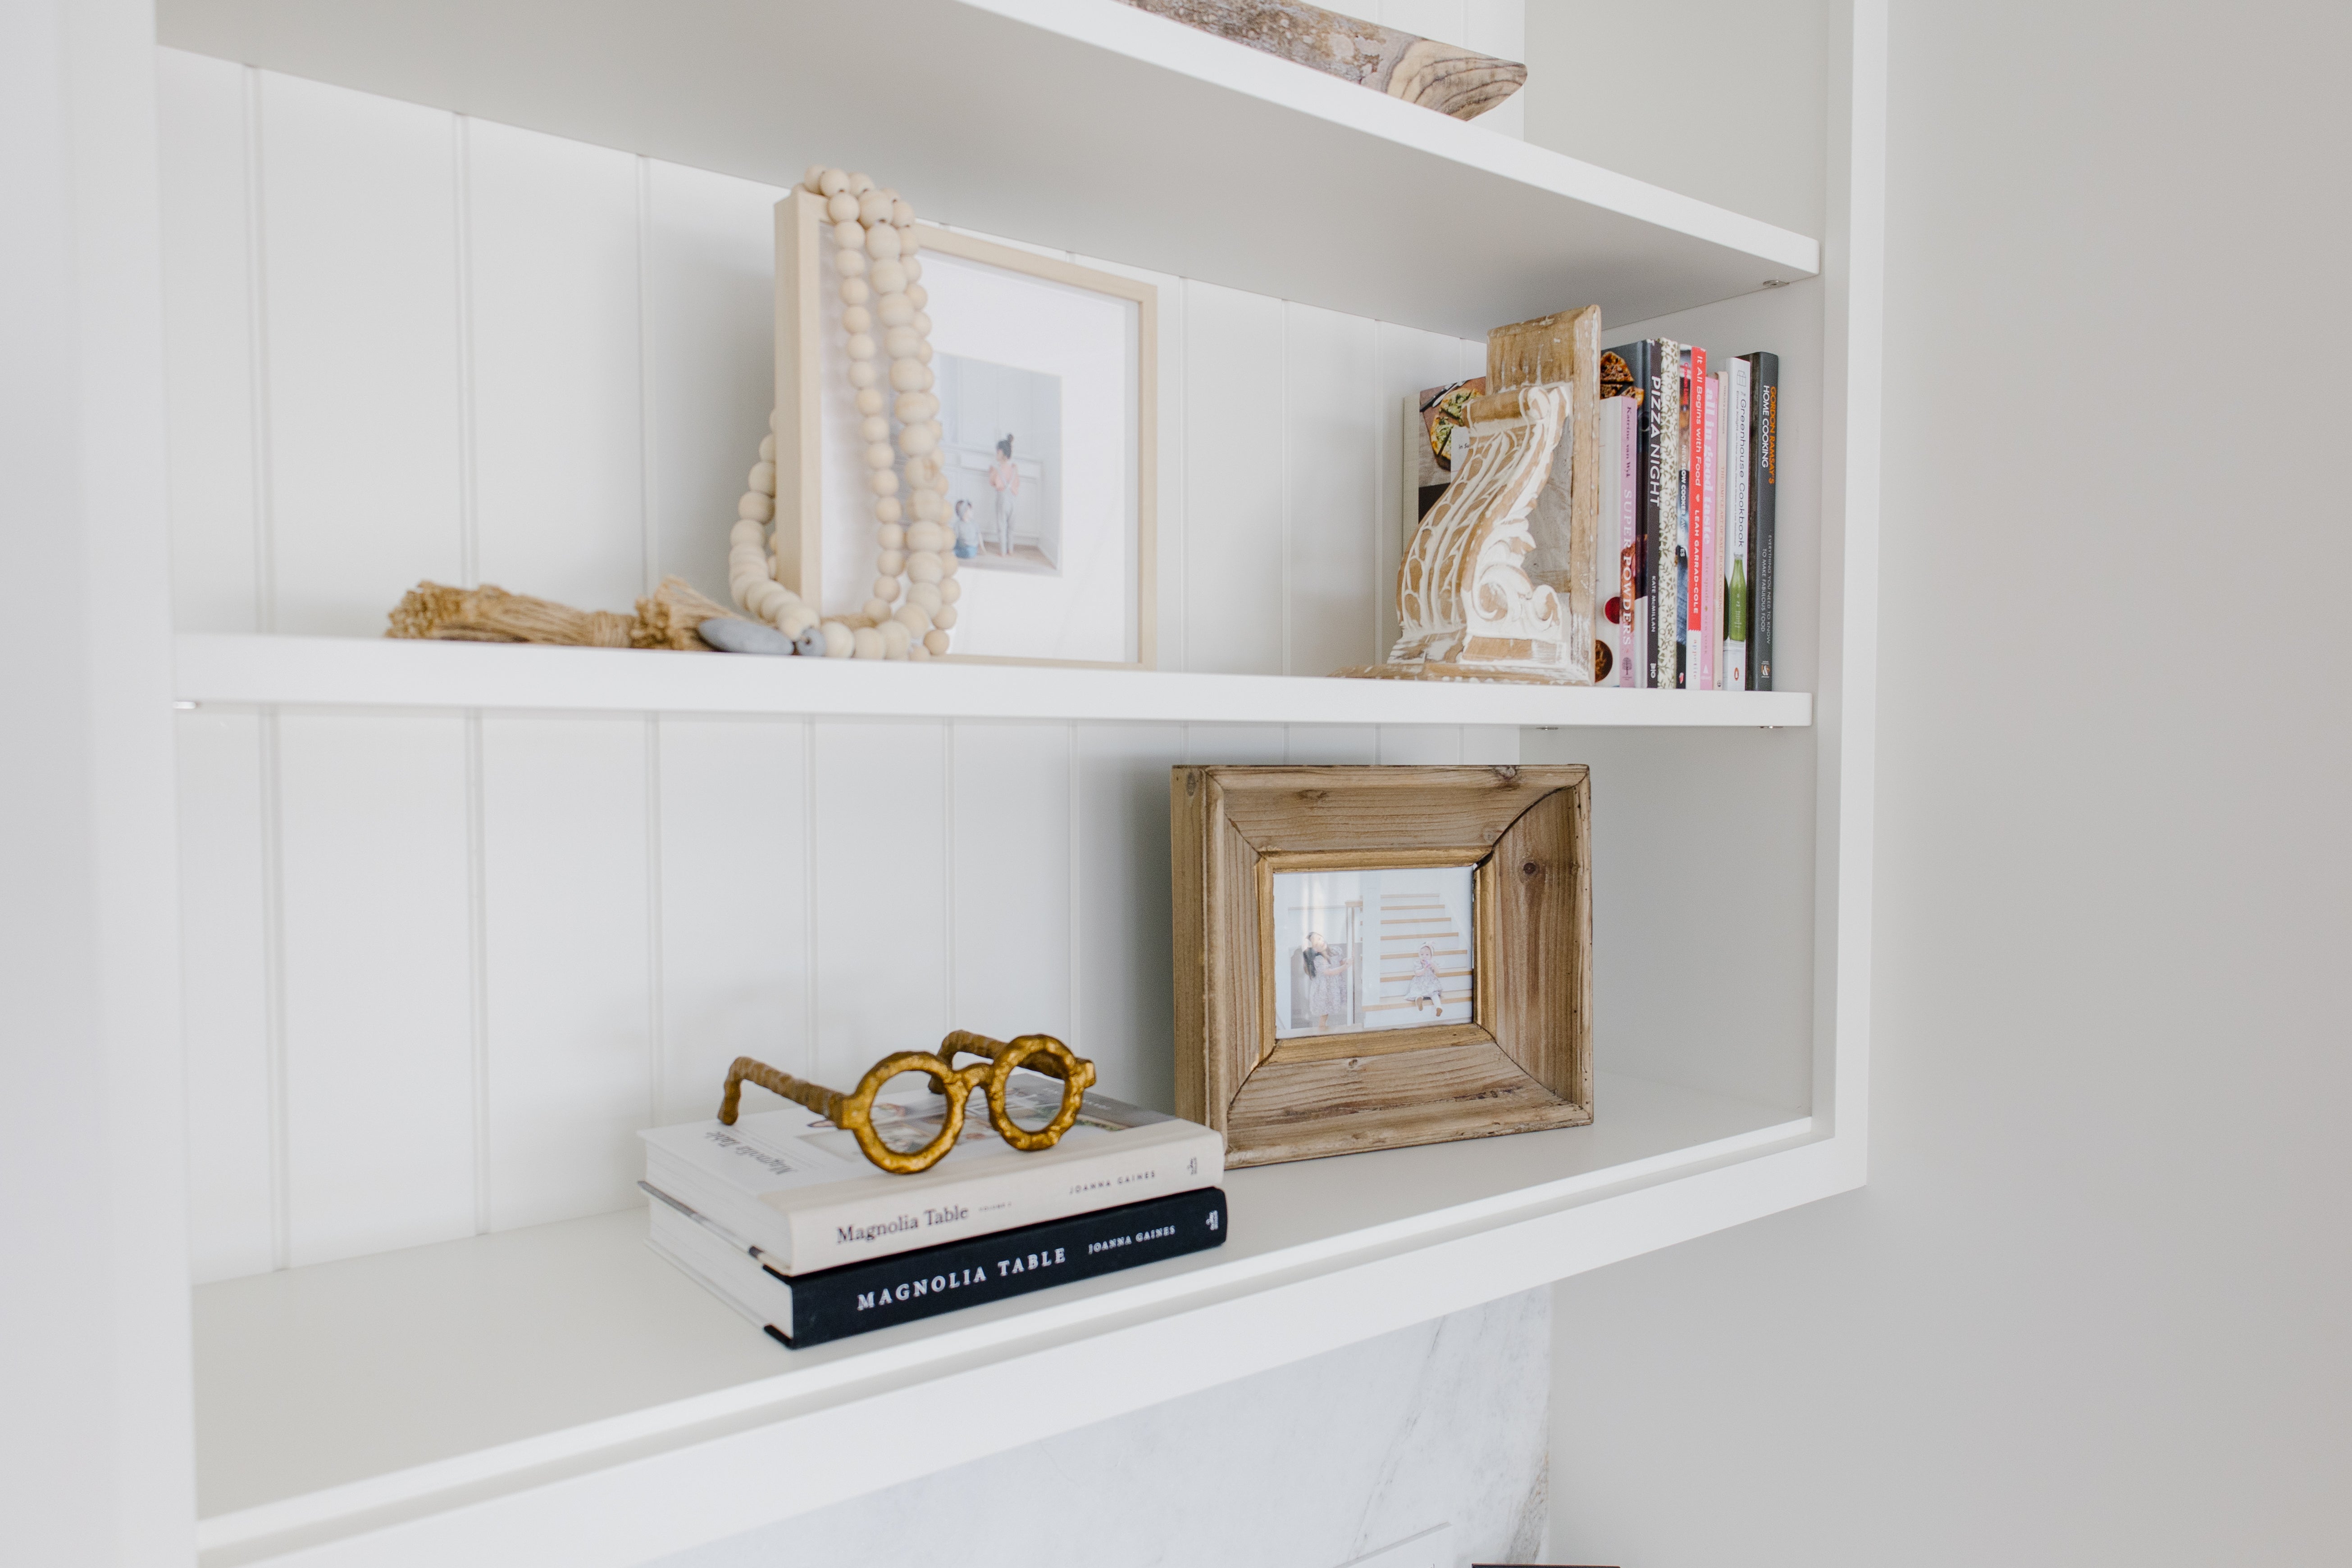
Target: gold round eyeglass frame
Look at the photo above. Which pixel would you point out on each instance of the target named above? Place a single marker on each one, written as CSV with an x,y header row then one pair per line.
x,y
853,1111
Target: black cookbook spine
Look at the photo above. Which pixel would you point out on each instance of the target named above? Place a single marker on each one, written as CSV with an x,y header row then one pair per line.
x,y
1763,471
834,1303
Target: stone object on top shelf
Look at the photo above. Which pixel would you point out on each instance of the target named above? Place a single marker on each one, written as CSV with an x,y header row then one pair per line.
x,y
1452,80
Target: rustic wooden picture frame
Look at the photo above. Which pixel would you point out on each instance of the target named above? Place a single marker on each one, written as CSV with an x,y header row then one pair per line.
x,y
1525,1060
800,337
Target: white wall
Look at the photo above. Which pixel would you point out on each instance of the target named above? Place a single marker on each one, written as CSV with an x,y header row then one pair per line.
x,y
95,1444
441,967
2091,1307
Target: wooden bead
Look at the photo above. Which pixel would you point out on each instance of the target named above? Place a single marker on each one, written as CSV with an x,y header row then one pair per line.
x,y
899,342
869,400
894,638
924,566
890,536
951,590
798,621
895,310
746,534
919,470
848,237
949,566
927,505
918,654
852,263
855,290
927,596
861,345
917,295
832,181
767,447
928,536
901,216
869,643
878,608
923,353
890,563
889,277
858,318
883,244
864,372
921,323
910,375
886,510
910,240
763,478
910,406
841,207
764,597
874,207
879,456
884,483
907,264
755,506
859,184
946,620
916,440
813,180
935,642
874,427
911,616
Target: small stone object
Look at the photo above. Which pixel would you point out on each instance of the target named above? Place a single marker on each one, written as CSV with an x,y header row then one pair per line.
x,y
1456,81
728,634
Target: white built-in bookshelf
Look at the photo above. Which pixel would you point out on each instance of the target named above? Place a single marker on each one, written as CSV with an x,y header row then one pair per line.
x,y
457,920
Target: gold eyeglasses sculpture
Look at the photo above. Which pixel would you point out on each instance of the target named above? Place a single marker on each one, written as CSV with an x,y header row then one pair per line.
x,y
855,1111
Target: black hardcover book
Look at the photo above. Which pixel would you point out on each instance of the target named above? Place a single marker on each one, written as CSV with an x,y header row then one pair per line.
x,y
1763,471
834,1303
1625,373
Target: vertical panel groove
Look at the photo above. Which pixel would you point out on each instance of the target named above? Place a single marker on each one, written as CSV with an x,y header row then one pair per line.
x,y
808,893
1282,403
646,371
469,553
947,868
273,973
478,968
656,1050
256,286
1077,941
1184,542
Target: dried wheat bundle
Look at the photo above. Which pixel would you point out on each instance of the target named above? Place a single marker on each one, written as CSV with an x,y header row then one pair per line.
x,y
666,618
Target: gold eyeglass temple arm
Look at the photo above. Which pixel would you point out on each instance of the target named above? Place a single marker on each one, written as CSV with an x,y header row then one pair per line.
x,y
748,1069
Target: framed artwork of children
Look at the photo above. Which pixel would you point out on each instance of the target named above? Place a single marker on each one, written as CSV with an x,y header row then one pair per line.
x,y
1369,957
1046,375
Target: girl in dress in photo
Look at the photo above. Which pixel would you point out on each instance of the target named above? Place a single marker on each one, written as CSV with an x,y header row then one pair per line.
x,y
1006,480
1425,986
1327,993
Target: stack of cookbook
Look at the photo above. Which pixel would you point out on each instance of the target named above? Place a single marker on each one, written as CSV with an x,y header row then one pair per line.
x,y
781,1217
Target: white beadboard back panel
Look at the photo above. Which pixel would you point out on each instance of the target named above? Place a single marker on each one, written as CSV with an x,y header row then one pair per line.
x,y
445,965
567,1061
379,1100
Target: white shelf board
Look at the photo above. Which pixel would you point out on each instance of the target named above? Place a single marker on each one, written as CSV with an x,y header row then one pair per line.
x,y
562,1386
1085,125
375,672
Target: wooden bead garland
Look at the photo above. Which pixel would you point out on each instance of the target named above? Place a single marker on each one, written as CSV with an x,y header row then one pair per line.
x,y
913,604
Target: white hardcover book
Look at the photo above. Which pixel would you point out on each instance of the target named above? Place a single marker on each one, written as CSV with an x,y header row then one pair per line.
x,y
798,1188
1735,513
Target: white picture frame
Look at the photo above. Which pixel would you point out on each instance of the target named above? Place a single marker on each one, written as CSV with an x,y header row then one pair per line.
x,y
1057,557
